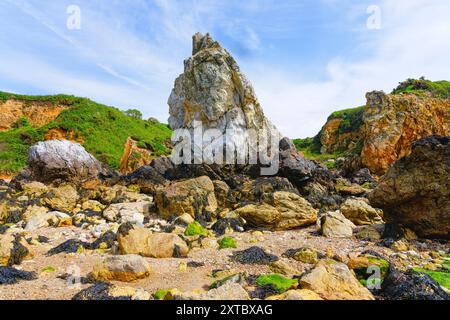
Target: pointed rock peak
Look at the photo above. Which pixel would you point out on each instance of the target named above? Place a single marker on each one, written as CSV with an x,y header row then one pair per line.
x,y
201,42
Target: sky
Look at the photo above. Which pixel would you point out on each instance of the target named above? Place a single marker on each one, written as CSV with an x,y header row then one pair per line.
x,y
305,58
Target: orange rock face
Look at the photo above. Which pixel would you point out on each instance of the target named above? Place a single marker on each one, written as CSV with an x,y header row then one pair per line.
x,y
391,123
333,141
58,133
134,156
38,113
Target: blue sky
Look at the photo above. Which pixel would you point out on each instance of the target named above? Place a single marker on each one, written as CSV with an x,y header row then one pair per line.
x,y
304,58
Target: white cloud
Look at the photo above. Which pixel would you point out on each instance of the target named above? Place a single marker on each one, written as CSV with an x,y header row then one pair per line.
x,y
413,43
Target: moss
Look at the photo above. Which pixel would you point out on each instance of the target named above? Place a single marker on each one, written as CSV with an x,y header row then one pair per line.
x,y
443,278
280,283
102,129
48,269
227,242
161,294
195,229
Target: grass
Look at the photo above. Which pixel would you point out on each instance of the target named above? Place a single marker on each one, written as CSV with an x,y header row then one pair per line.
x,y
102,129
227,242
280,283
422,87
194,229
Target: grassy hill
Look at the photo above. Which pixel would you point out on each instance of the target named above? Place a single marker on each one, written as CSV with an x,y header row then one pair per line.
x,y
103,131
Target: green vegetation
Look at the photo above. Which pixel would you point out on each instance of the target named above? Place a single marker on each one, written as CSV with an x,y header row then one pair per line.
x,y
423,87
227,242
134,113
48,269
161,294
443,278
102,129
280,283
351,121
195,229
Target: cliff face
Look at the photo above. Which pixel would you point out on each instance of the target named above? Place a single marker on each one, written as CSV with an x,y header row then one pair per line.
x,y
39,113
393,122
383,131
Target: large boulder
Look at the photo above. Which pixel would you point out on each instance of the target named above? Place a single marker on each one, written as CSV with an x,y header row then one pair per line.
x,y
332,280
391,123
279,211
195,197
415,192
63,198
62,160
121,268
136,240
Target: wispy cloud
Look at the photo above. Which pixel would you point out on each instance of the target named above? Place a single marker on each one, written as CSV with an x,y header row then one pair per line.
x,y
305,58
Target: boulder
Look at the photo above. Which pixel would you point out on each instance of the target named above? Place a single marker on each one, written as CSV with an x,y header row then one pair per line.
x,y
229,292
121,268
279,211
332,280
415,191
107,291
195,197
335,225
63,198
411,285
13,249
300,294
53,218
62,160
359,211
136,240
133,212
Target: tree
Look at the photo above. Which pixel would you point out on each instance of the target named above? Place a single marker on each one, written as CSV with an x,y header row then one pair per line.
x,y
134,113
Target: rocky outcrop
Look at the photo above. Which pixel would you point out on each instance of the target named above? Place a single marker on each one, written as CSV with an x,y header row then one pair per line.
x,y
62,160
38,113
415,192
134,156
393,122
383,131
214,92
